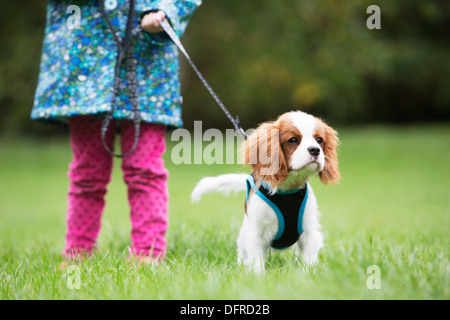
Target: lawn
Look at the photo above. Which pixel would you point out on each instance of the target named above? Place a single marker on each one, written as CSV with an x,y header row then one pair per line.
x,y
391,210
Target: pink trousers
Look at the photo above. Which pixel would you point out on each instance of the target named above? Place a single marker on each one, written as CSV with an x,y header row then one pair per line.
x,y
90,172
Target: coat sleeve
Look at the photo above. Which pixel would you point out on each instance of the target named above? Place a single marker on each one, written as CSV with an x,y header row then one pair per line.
x,y
178,12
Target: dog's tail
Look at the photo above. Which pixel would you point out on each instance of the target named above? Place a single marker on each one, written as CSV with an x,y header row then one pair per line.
x,y
224,184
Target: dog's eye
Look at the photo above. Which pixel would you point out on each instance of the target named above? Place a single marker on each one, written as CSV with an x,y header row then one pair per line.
x,y
319,140
293,140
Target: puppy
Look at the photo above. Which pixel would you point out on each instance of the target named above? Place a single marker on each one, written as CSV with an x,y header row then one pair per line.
x,y
281,209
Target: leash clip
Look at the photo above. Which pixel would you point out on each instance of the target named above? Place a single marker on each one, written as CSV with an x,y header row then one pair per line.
x,y
238,127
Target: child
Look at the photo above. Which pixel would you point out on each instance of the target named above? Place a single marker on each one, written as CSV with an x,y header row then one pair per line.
x,y
76,87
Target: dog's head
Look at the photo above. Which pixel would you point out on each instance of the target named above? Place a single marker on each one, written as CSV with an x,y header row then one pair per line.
x,y
296,144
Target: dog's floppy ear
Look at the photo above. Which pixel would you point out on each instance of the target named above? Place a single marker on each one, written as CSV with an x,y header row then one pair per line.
x,y
263,153
330,172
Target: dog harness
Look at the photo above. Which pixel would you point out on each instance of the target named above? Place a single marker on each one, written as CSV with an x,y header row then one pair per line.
x,y
289,207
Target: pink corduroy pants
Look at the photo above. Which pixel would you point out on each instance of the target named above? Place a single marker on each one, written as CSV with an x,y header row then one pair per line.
x,y
90,172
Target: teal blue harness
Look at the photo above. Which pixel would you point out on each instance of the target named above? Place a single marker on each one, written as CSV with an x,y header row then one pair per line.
x,y
289,206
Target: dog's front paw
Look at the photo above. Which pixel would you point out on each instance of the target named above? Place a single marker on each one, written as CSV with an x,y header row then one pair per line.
x,y
255,266
306,263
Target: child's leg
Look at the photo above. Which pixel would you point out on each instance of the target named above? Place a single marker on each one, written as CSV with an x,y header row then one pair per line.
x,y
90,172
146,177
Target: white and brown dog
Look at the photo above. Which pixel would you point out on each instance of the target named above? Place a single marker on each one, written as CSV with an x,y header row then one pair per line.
x,y
281,209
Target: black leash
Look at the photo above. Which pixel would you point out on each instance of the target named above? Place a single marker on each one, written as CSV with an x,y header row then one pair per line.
x,y
126,53
168,29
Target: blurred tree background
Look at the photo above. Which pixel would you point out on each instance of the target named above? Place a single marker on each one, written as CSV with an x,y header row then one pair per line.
x,y
264,58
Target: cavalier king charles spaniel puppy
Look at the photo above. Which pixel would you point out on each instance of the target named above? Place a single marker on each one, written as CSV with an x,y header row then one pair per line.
x,y
280,206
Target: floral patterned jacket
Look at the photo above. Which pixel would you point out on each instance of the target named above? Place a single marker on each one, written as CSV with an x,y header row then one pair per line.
x,y
78,61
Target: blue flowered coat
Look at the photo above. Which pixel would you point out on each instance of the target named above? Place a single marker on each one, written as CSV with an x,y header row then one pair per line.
x,y
78,61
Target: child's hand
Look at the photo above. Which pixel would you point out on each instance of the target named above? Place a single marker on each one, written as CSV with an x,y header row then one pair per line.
x,y
150,22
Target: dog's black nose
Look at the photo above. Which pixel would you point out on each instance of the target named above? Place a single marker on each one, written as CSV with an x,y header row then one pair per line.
x,y
314,151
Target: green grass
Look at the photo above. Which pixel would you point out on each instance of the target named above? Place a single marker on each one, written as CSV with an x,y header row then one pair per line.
x,y
391,210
